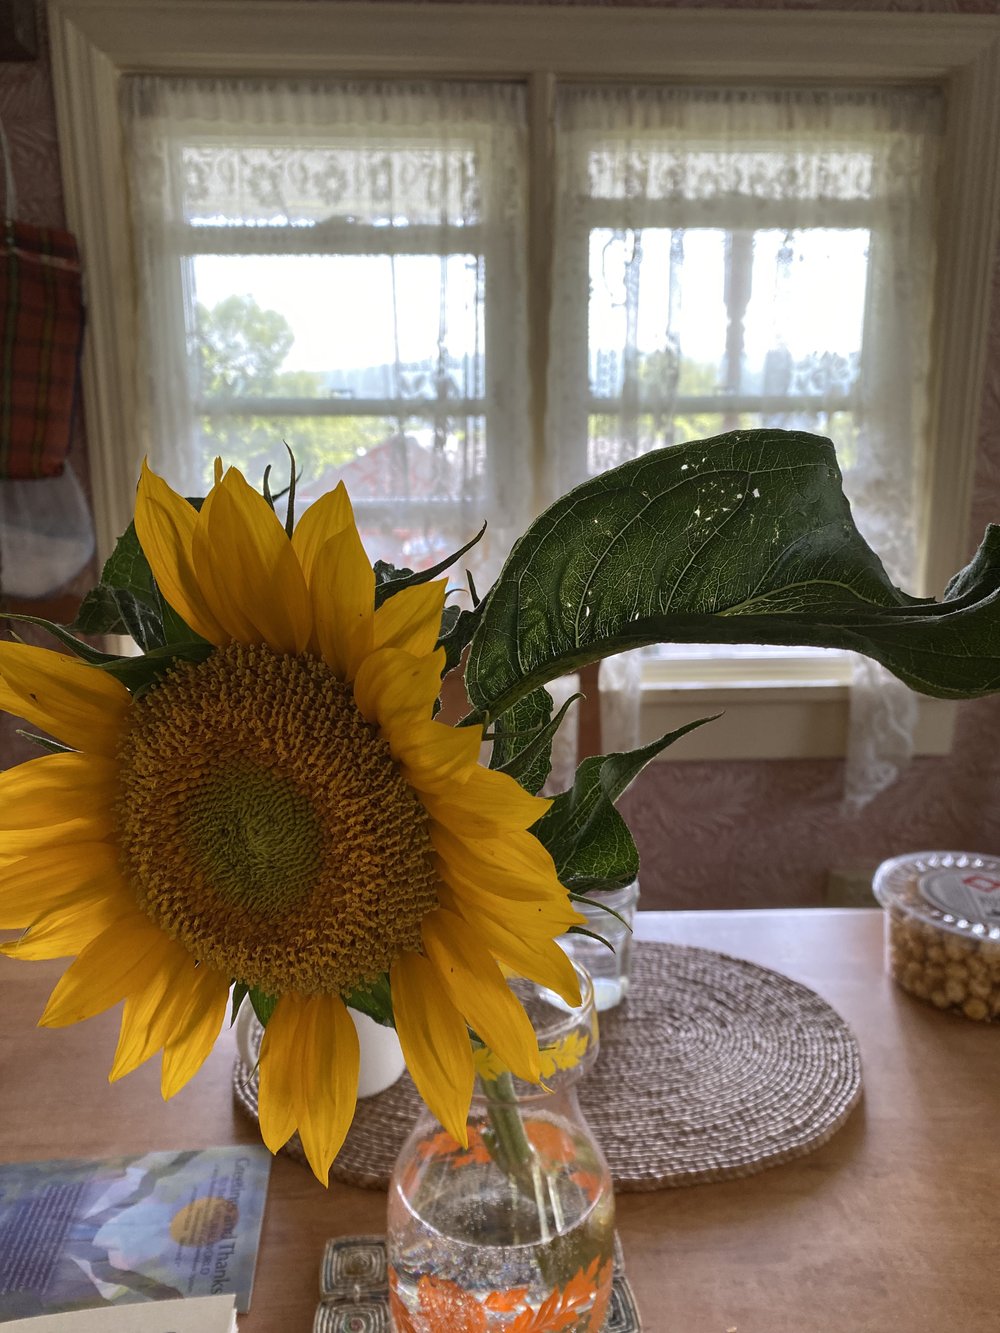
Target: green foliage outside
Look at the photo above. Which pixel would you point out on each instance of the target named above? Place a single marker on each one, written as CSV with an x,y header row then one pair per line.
x,y
241,349
661,379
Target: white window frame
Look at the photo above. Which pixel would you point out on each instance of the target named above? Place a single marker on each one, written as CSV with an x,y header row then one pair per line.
x,y
95,42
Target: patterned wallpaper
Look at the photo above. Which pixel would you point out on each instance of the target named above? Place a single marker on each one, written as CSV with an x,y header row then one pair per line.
x,y
737,834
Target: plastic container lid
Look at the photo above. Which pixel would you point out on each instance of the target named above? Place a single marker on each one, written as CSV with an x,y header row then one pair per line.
x,y
954,891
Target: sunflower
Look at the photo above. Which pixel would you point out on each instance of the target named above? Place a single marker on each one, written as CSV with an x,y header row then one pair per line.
x,y
283,813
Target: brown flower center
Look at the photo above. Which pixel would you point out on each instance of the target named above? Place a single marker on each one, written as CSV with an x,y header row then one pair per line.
x,y
263,824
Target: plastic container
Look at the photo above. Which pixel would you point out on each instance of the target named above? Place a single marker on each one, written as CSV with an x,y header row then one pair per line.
x,y
942,929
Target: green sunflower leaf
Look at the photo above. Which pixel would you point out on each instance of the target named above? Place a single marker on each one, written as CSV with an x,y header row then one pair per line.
x,y
99,613
263,1005
45,743
523,736
127,600
85,651
744,538
591,935
139,672
127,569
240,992
457,629
587,838
374,1000
389,579
123,613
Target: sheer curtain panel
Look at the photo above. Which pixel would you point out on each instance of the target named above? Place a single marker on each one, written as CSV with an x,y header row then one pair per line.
x,y
340,267
729,258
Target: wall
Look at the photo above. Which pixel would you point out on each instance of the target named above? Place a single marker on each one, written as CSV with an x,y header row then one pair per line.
x,y
28,118
710,834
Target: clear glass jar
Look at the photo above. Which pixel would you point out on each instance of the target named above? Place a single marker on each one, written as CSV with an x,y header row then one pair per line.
x,y
517,1230
608,966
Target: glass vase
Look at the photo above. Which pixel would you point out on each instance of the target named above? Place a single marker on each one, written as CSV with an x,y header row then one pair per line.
x,y
515,1232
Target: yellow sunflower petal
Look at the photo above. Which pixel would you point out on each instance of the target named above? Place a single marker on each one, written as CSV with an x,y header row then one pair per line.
x,y
201,1012
16,844
516,865
393,687
475,985
330,1066
55,877
115,965
433,756
141,1032
165,525
411,619
279,1062
540,960
309,1063
181,1010
80,705
342,590
537,915
211,571
9,701
324,518
70,928
49,789
247,569
435,1042
486,804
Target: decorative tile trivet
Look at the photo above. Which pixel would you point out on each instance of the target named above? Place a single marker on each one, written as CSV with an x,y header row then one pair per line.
x,y
354,1290
712,1068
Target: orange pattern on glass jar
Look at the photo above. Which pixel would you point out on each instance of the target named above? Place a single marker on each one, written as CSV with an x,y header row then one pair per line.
x,y
553,1143
444,1305
443,1145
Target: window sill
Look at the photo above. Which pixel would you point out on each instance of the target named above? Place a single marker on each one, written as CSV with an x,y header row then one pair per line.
x,y
771,720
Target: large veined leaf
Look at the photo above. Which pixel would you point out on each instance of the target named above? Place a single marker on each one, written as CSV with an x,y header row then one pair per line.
x,y
744,538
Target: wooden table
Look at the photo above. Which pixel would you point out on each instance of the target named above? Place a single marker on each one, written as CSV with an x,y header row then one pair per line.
x,y
892,1225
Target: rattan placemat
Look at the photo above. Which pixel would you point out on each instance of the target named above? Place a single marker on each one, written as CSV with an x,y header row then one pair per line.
x,y
712,1068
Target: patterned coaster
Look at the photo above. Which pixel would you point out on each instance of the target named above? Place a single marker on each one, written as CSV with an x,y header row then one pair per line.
x,y
354,1290
712,1068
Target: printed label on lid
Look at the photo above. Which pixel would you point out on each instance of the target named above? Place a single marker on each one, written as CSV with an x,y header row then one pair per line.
x,y
971,893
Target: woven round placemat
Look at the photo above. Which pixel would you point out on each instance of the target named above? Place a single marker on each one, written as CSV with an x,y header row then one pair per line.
x,y
713,1068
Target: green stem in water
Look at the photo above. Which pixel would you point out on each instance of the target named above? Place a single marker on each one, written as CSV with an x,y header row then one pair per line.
x,y
512,1150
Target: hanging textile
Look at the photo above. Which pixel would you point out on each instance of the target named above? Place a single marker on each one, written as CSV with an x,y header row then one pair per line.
x,y
41,330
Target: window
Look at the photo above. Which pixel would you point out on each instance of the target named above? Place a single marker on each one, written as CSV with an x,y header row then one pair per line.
x,y
340,267
634,378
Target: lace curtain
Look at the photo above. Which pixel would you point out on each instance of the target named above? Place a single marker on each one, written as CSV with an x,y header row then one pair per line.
x,y
342,267
729,257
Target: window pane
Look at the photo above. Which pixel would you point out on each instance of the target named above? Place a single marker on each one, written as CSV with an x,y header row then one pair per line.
x,y
804,318
323,261
695,313
417,486
278,326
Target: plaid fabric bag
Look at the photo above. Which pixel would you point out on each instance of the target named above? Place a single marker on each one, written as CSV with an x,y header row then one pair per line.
x,y
41,331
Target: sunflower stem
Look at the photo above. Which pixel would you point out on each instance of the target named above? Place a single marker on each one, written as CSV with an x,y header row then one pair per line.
x,y
512,1150
514,1153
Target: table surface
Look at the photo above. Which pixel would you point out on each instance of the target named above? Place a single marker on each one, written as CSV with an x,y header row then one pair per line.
x,y
892,1224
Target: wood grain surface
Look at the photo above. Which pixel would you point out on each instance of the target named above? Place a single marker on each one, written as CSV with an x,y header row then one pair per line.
x,y
891,1225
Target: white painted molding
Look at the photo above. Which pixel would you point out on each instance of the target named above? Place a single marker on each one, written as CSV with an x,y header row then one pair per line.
x,y
773,720
96,41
